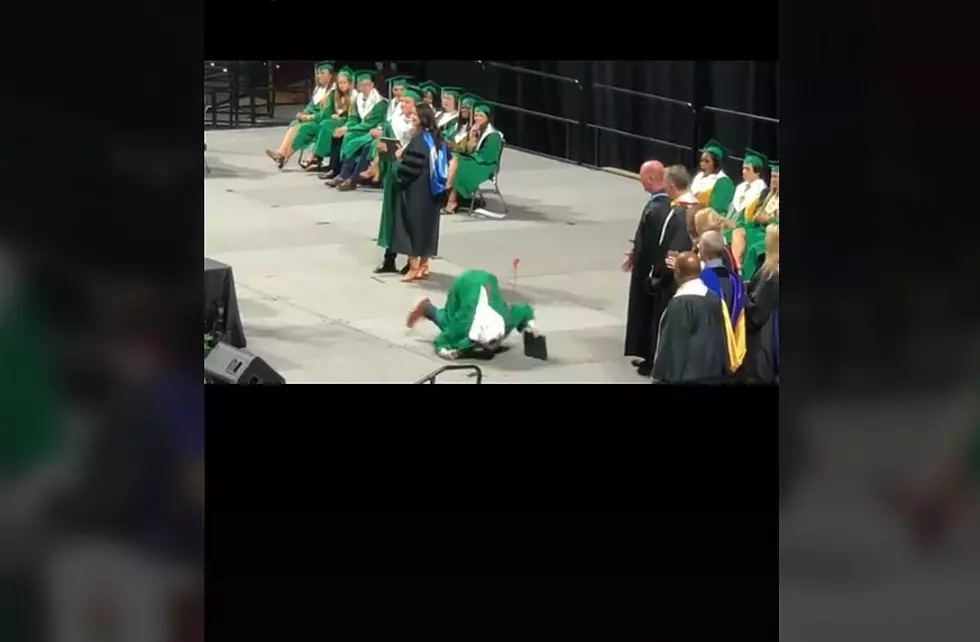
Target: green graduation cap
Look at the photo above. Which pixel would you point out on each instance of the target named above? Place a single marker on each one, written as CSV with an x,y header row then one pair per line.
x,y
774,167
325,65
429,87
364,74
758,160
399,81
413,92
346,71
482,108
720,151
452,91
470,99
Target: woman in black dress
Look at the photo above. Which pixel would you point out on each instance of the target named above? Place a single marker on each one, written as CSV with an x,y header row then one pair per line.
x,y
416,228
761,364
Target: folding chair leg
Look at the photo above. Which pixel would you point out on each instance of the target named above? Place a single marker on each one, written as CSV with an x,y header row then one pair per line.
x,y
501,197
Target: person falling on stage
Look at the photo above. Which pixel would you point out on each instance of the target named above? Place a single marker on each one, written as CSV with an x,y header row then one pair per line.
x,y
668,236
477,161
358,143
306,119
400,125
476,319
755,228
692,346
745,203
338,110
727,284
640,321
711,185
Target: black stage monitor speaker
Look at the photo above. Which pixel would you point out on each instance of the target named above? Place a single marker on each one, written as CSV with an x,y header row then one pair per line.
x,y
228,365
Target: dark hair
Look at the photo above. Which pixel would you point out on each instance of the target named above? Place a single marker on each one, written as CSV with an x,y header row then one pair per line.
x,y
427,121
714,159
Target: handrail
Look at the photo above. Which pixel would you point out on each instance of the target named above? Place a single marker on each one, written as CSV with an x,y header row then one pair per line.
x,y
613,130
532,72
431,377
732,112
531,112
643,94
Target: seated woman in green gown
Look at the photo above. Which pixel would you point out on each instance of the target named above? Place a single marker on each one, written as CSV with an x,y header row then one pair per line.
x,y
476,161
430,94
329,119
456,134
745,202
305,120
755,228
448,113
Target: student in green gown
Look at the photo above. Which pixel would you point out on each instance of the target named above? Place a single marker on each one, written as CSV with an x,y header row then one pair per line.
x,y
448,114
711,185
398,126
306,119
476,161
339,107
456,133
476,317
430,94
745,202
755,229
358,143
396,89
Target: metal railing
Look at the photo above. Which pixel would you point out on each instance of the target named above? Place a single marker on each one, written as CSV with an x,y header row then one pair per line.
x,y
707,110
431,377
689,107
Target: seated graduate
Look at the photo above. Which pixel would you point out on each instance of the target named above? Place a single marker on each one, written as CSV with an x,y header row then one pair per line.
x,y
448,114
746,201
755,229
711,185
761,363
358,143
401,126
727,284
692,346
476,318
396,89
336,113
457,134
306,119
477,161
430,95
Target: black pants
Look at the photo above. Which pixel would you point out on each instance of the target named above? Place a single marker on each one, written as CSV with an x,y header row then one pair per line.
x,y
335,155
351,170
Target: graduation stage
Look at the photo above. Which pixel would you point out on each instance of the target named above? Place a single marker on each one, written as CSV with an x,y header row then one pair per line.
x,y
303,256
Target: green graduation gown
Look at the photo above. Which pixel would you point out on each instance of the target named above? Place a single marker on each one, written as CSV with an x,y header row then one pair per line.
x,y
456,319
755,234
308,130
389,184
745,201
479,166
716,191
359,129
326,126
30,432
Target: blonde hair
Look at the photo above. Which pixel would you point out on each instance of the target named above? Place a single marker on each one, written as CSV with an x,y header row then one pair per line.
x,y
707,219
770,267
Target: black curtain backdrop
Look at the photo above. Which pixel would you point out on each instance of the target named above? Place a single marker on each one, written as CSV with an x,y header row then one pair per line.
x,y
744,86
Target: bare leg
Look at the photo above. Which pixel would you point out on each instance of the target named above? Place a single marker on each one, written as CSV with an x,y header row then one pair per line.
x,y
452,202
287,142
451,174
738,245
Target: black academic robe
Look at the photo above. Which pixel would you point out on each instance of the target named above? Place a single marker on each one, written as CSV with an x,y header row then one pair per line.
x,y
692,344
640,324
673,233
416,225
724,277
761,304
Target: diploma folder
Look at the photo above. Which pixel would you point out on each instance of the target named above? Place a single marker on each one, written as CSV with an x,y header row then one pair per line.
x,y
535,347
392,144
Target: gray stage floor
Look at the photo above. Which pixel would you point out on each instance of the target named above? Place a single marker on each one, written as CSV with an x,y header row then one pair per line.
x,y
303,256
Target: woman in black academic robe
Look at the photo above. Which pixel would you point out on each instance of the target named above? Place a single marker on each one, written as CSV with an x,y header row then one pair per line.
x,y
761,363
416,226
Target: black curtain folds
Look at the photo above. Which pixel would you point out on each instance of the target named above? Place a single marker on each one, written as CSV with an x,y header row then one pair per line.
x,y
743,86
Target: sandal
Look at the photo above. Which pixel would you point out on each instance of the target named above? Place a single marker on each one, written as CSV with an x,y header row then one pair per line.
x,y
277,157
310,164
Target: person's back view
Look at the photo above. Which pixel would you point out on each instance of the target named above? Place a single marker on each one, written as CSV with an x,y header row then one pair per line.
x,y
692,347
